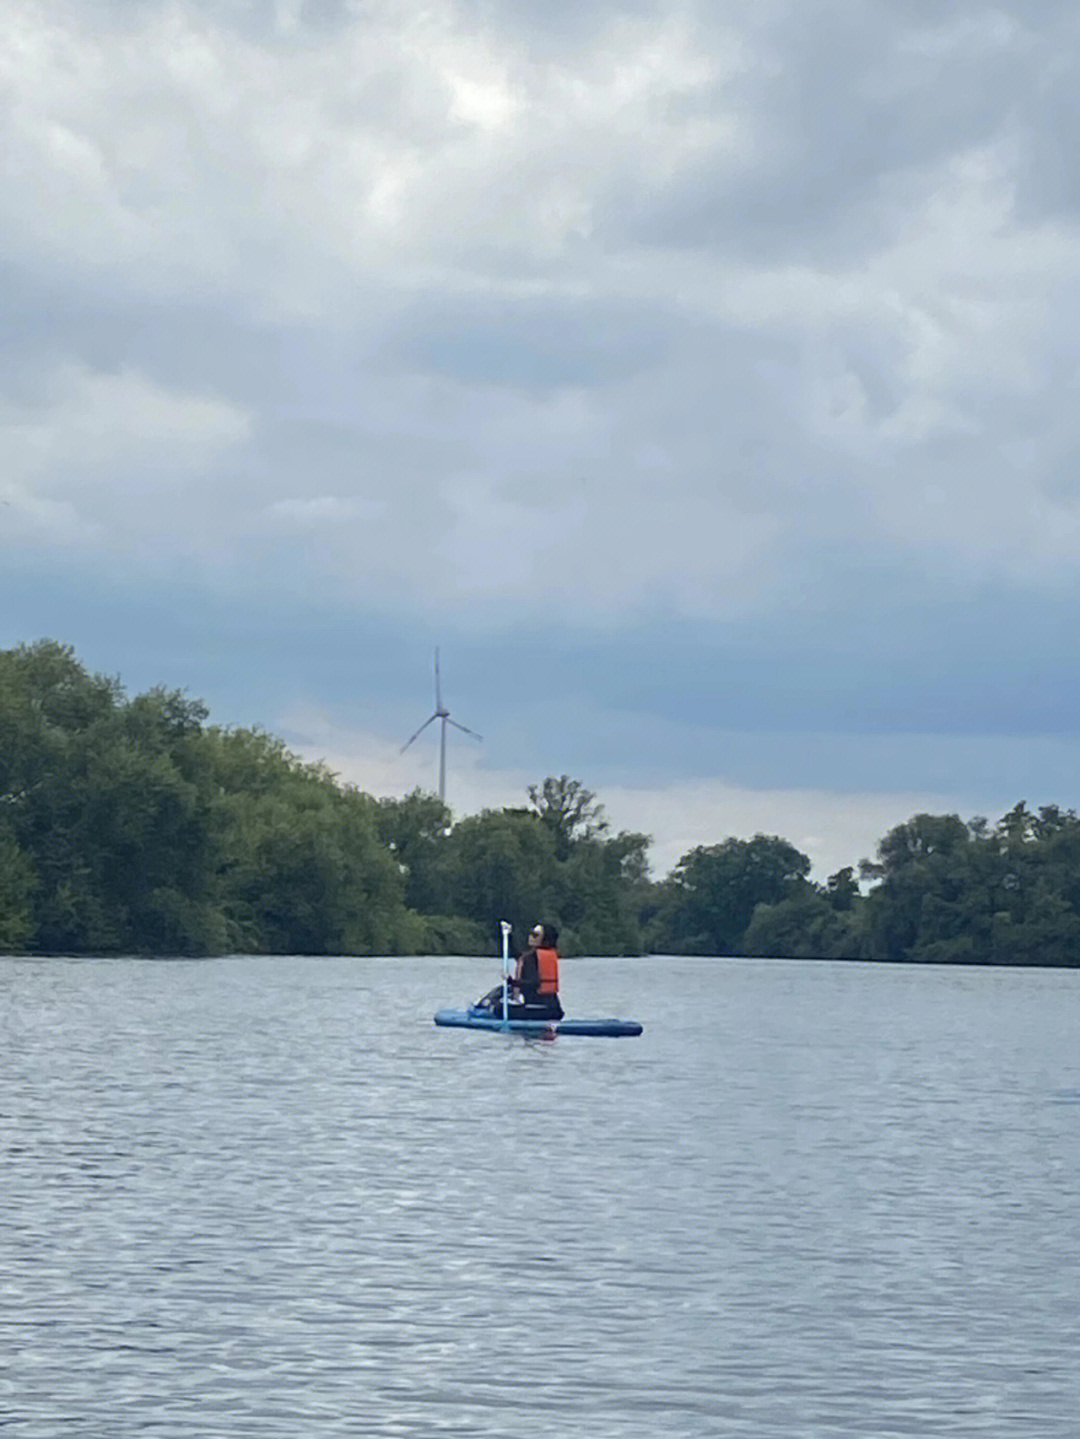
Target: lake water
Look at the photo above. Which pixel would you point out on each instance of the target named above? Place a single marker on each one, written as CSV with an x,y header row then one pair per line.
x,y
268,1197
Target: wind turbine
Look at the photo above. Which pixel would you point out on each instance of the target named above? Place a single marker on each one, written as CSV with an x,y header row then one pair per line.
x,y
441,713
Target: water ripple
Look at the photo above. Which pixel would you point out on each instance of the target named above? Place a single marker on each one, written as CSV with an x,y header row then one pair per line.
x,y
268,1197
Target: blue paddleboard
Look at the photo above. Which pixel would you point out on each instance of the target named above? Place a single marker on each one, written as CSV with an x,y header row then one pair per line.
x,y
478,1019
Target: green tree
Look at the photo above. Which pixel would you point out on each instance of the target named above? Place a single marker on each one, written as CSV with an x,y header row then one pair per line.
x,y
569,811
17,885
50,709
602,890
303,870
709,899
916,860
129,826
951,893
144,784
416,830
501,865
842,890
806,925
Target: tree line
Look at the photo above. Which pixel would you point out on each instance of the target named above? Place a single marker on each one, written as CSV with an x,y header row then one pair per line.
x,y
133,826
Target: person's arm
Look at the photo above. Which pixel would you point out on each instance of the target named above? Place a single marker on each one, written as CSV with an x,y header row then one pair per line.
x,y
513,979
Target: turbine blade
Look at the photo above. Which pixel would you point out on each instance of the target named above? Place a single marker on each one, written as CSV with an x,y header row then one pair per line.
x,y
464,729
418,733
438,686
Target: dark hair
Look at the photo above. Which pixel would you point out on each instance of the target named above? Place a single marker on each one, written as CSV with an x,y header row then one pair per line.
x,y
550,936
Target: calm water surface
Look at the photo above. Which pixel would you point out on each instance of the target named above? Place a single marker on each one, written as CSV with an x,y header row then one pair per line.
x,y
268,1197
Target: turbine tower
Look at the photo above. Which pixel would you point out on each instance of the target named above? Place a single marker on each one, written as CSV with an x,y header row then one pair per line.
x,y
443,714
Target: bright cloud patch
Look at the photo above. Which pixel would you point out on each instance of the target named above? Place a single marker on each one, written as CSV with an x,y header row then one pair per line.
x,y
95,456
321,510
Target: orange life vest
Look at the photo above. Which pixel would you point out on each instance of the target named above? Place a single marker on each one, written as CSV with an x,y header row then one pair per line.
x,y
547,971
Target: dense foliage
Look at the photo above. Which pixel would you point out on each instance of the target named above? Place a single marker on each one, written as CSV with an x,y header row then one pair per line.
x,y
133,826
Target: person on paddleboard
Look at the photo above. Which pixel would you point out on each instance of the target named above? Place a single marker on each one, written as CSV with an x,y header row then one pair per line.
x,y
534,984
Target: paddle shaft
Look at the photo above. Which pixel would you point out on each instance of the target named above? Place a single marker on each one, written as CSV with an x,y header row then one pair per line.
x,y
506,968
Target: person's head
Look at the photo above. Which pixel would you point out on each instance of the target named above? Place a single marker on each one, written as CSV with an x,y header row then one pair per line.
x,y
543,936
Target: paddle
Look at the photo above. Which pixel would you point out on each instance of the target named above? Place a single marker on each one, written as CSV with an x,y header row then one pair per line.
x,y
506,967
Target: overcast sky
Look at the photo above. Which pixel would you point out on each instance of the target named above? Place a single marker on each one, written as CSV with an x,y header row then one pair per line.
x,y
701,378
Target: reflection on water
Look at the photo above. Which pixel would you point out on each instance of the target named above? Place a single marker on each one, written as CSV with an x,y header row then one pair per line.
x,y
269,1197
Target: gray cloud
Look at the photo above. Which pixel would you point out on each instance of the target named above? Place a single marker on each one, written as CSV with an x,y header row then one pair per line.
x,y
720,363
838,115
